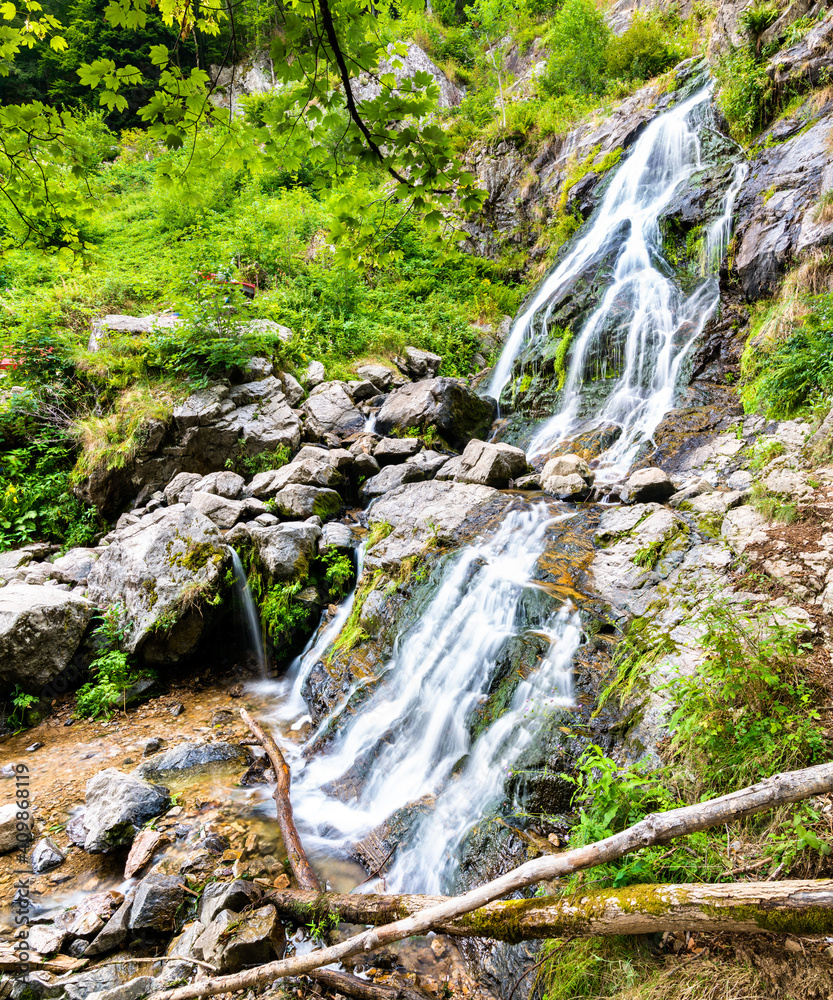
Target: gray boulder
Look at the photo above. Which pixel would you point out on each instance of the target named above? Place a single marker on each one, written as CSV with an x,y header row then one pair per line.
x,y
224,484
46,855
336,535
9,839
365,465
431,462
133,989
74,566
315,374
380,376
191,757
305,470
231,941
490,464
160,568
292,389
118,806
220,511
419,364
391,477
286,549
40,630
445,403
181,487
299,502
157,899
389,451
226,896
648,486
330,410
571,489
361,389
568,465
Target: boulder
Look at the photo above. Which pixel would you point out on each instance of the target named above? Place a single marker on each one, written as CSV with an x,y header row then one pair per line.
x,y
220,511
269,328
88,917
46,939
568,465
330,410
305,470
231,941
159,568
380,376
117,929
12,838
118,806
156,902
258,368
224,484
647,486
133,989
336,535
46,855
314,375
361,390
40,630
103,329
299,502
743,527
445,403
389,479
180,488
365,465
286,549
233,896
403,68
191,758
292,389
389,451
419,364
490,464
74,566
571,489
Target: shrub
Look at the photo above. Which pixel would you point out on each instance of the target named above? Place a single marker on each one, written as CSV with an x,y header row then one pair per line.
x,y
578,38
642,52
281,614
746,97
113,676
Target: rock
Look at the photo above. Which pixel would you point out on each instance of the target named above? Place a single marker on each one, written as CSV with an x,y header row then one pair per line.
x,y
490,464
418,364
307,470
388,479
76,830
180,488
259,368
404,67
389,451
568,465
117,929
292,389
12,838
571,489
366,465
743,527
142,850
157,899
159,569
693,488
191,758
46,939
90,915
74,566
286,549
46,855
40,630
429,462
445,403
337,536
530,482
787,481
740,480
118,806
226,896
647,486
270,328
256,937
224,513
134,989
330,410
299,502
715,502
380,376
314,375
224,484
361,390
101,329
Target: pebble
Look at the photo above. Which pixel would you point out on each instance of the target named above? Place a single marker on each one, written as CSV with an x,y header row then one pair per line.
x,y
176,710
34,746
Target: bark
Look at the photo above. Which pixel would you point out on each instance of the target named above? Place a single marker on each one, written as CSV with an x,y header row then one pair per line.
x,y
361,989
657,828
800,907
301,869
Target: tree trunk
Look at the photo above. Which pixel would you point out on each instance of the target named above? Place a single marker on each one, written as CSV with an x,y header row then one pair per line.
x,y
800,907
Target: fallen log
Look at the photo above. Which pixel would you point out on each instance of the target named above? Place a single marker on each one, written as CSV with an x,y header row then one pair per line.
x,y
795,907
658,828
301,868
361,989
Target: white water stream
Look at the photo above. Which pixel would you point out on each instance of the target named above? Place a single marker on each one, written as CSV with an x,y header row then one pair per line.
x,y
251,619
651,323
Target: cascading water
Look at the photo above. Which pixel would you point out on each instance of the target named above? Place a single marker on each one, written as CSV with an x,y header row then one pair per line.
x,y
251,619
414,728
647,321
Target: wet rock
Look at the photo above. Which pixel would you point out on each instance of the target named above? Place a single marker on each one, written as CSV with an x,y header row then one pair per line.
x,y
418,364
156,902
9,831
647,486
567,465
445,403
40,630
530,482
391,477
299,502
380,376
118,806
224,484
335,535
46,855
286,549
180,488
389,451
256,937
572,488
314,375
222,512
233,896
150,568
330,410
142,850
76,830
87,918
192,758
46,938
117,929
743,527
489,464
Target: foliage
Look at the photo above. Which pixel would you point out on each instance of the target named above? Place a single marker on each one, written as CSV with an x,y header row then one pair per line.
x,y
113,676
578,39
281,614
339,572
21,703
250,465
643,51
746,97
758,17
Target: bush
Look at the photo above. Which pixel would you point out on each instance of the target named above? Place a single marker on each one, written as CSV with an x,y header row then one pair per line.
x,y
281,614
578,38
746,97
113,677
642,52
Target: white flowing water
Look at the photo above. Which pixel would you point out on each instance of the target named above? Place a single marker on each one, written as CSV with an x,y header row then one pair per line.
x,y
406,739
650,323
251,619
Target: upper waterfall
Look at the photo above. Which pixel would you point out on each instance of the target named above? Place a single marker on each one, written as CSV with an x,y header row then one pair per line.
x,y
645,324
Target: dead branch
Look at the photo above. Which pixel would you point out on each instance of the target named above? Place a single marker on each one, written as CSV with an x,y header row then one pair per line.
x,y
301,868
361,989
658,828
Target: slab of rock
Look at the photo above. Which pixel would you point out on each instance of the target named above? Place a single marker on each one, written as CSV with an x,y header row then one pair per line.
x,y
118,806
430,462
490,464
715,502
315,374
74,566
361,389
336,535
46,939
102,329
445,403
292,389
133,989
142,850
191,758
232,896
225,484
157,899
330,410
693,488
419,364
391,477
9,840
743,527
568,465
180,488
380,376
299,502
389,451
230,941
366,465
90,915
220,511
286,549
647,486
304,470
46,855
572,488
151,567
40,630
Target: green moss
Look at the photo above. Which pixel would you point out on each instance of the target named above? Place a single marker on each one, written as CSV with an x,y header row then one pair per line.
x,y
378,531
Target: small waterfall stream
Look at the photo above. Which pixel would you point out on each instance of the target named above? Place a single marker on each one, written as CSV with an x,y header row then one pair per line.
x,y
251,619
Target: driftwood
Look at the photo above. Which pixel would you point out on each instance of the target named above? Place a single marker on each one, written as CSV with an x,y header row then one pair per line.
x,y
301,868
658,828
800,907
361,989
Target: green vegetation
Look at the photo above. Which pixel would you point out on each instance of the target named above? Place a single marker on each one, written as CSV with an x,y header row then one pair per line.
x,y
107,691
280,615
21,703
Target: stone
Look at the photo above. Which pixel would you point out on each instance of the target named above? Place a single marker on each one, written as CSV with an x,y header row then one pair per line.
x,y
40,630
402,68
787,481
380,376
76,830
220,511
232,896
254,938
117,929
568,465
12,838
142,850
133,989
180,488
647,486
118,806
159,570
571,489
389,451
366,465
306,470
46,939
192,758
361,390
330,410
337,536
314,375
430,462
224,484
74,566
259,368
156,902
693,488
491,464
445,403
101,329
391,477
715,502
743,527
292,389
530,482
740,480
419,364
299,502
270,328
46,855
286,549
90,915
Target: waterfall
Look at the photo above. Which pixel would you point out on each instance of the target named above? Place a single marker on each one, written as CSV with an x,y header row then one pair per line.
x,y
646,318
413,729
251,619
